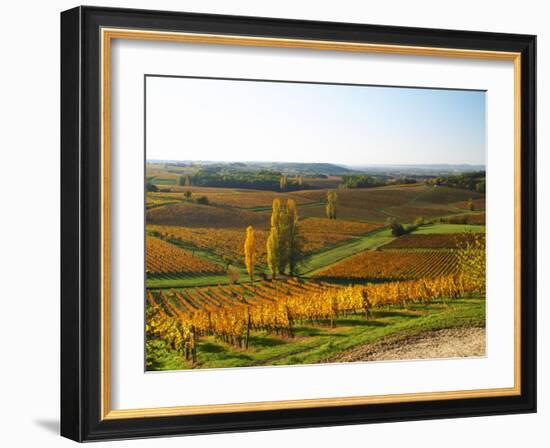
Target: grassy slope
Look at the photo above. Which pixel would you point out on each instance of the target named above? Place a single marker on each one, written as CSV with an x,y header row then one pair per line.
x,y
449,228
315,344
351,247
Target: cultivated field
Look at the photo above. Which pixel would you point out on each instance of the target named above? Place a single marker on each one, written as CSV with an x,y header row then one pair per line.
x,y
394,265
165,258
430,241
305,272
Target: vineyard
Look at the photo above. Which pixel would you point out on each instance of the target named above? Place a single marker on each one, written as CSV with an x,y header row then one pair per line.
x,y
197,215
332,226
471,219
253,199
478,204
223,242
234,279
230,313
409,213
165,258
374,198
318,233
394,265
431,241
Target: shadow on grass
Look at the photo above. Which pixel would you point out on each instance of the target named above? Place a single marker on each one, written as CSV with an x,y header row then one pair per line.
x,y
305,331
208,347
359,322
265,341
345,281
219,353
403,314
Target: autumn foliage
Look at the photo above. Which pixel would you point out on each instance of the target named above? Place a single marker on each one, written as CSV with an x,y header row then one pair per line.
x,y
395,265
165,258
180,318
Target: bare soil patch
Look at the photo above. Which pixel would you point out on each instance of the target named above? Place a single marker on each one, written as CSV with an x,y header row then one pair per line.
x,y
448,343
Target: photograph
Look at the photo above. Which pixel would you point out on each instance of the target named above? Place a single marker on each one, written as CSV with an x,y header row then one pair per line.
x,y
299,223
284,221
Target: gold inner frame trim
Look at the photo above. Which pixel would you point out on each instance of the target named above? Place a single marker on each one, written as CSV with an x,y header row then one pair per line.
x,y
107,35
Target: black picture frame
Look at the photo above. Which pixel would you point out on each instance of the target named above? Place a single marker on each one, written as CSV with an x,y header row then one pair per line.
x,y
81,224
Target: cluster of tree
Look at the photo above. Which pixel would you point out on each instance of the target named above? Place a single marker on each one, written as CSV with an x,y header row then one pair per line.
x,y
188,196
260,180
184,181
151,188
284,244
367,181
398,229
401,181
474,181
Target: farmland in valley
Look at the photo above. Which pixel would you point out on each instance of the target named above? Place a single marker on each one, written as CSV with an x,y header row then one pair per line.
x,y
292,268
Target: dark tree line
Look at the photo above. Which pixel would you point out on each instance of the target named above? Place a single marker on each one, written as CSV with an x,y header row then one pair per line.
x,y
258,180
366,181
474,181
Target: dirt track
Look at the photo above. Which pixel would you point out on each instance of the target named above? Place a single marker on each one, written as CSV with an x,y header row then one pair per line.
x,y
450,343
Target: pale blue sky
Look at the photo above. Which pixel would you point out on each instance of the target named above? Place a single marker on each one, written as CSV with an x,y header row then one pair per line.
x,y
224,120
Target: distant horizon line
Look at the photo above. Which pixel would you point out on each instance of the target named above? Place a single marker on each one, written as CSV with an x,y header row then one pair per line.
x,y
321,163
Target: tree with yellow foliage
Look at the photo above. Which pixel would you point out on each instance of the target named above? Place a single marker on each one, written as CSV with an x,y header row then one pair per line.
x,y
249,252
272,245
331,204
285,244
295,254
283,182
471,259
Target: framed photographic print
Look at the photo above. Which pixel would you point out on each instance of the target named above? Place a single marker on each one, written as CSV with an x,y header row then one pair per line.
x,y
273,223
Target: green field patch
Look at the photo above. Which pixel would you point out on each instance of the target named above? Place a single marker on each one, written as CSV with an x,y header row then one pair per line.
x,y
164,181
334,254
448,228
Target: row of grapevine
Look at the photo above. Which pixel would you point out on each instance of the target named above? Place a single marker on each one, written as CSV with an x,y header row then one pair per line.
x,y
228,243
431,241
163,258
395,265
217,312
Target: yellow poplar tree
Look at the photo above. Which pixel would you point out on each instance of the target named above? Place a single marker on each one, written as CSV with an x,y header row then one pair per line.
x,y
293,238
283,239
249,252
331,204
282,183
272,245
